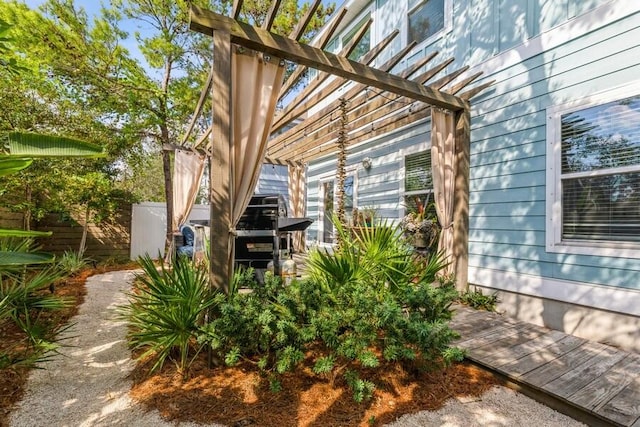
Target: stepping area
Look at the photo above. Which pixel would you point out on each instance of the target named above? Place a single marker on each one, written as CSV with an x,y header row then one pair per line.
x,y
588,380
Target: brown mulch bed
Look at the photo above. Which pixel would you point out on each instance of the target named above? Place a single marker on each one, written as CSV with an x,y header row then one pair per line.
x,y
13,381
240,396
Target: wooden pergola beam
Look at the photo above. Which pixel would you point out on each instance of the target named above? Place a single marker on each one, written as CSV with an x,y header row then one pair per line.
x,y
298,108
362,106
237,6
284,115
298,32
271,15
317,146
205,22
323,117
322,43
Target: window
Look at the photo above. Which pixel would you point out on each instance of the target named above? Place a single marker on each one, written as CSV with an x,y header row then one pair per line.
x,y
595,167
425,20
418,183
364,45
329,200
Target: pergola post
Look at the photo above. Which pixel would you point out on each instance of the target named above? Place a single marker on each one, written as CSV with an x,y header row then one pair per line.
x,y
461,199
221,197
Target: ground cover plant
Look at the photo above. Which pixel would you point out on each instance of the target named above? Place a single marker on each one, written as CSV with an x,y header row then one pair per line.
x,y
367,323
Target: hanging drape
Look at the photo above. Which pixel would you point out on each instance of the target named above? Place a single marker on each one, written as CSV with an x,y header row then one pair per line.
x,y
255,85
443,161
297,201
188,168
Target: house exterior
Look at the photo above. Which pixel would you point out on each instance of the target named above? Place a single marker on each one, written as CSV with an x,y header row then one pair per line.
x,y
554,203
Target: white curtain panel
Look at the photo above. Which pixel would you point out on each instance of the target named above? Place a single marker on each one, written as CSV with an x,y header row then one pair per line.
x,y
188,168
297,201
255,85
443,161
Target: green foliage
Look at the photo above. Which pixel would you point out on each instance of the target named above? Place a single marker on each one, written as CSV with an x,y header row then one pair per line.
x,y
362,389
368,301
71,263
166,310
476,299
260,324
24,297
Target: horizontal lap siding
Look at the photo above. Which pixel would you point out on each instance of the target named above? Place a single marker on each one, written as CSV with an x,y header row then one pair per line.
x,y
508,163
380,186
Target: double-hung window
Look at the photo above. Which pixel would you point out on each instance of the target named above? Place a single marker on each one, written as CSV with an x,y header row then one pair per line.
x,y
593,198
418,183
426,19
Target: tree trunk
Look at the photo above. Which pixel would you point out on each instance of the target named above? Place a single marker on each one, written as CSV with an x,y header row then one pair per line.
x,y
85,229
26,216
168,192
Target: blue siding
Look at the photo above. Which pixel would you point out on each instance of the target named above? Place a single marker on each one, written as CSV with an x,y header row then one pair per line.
x,y
508,149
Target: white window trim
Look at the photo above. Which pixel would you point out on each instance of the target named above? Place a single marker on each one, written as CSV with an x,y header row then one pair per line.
x,y
448,24
553,229
403,155
351,170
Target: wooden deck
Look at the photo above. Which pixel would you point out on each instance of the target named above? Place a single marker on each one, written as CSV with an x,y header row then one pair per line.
x,y
588,380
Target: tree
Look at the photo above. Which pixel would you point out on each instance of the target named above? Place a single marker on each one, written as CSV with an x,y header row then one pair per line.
x,y
88,67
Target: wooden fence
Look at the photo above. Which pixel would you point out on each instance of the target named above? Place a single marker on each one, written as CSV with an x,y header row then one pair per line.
x,y
108,239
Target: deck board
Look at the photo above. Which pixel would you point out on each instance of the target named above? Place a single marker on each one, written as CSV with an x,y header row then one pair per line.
x,y
606,386
592,378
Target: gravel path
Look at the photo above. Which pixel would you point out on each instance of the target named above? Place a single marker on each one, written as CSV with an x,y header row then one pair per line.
x,y
89,386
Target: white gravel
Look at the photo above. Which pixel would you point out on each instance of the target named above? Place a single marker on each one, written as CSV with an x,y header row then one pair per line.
x,y
88,386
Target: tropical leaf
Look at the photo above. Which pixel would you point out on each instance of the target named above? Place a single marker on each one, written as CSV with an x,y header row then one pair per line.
x,y
12,259
23,233
10,165
24,144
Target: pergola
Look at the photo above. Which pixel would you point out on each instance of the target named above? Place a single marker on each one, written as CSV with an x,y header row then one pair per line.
x,y
246,82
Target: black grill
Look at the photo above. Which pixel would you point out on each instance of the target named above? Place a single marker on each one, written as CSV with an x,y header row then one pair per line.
x,y
263,230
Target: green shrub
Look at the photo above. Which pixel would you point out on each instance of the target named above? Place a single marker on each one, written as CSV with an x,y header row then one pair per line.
x,y
369,299
24,297
476,299
71,263
166,309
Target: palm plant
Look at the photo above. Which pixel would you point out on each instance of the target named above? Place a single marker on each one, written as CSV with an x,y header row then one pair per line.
x,y
24,292
167,308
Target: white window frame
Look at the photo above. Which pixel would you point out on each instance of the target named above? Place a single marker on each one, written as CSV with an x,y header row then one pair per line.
x,y
403,155
553,229
351,170
448,23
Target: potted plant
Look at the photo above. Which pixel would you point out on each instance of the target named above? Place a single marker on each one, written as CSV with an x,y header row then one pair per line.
x,y
421,230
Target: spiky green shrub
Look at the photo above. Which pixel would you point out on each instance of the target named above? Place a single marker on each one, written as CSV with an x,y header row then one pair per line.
x,y
24,300
262,324
71,263
166,309
476,299
369,300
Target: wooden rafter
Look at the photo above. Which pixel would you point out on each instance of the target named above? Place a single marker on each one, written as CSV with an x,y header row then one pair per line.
x,y
322,43
205,21
371,119
298,32
237,7
301,103
271,15
284,115
366,103
323,117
